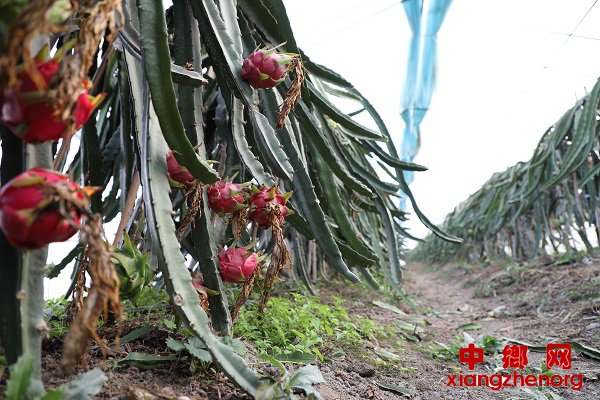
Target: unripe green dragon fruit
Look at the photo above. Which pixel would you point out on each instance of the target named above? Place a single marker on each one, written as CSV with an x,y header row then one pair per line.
x,y
133,269
266,68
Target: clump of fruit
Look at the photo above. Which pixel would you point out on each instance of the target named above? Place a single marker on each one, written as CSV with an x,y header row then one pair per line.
x,y
28,111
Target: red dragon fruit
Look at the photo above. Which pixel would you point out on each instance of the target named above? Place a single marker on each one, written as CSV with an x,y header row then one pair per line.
x,y
266,203
238,263
266,68
203,291
178,172
31,116
29,217
225,197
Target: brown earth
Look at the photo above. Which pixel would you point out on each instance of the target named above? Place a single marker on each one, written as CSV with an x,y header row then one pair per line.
x,y
533,303
536,304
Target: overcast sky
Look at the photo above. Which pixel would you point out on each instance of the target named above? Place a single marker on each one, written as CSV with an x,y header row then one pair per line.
x,y
507,70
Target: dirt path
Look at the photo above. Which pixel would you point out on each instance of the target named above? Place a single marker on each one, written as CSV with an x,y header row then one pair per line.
x,y
533,304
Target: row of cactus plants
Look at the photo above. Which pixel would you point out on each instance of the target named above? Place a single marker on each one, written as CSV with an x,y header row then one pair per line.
x,y
175,102
548,204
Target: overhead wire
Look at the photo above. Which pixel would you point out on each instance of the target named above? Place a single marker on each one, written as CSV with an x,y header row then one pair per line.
x,y
324,39
570,35
564,34
581,20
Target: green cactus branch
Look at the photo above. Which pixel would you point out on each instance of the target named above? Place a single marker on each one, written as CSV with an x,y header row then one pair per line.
x,y
157,67
11,266
171,262
535,205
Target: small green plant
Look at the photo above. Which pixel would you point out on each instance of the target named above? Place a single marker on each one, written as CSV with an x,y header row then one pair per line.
x,y
489,344
135,274
586,291
151,304
571,258
282,388
201,358
55,313
302,324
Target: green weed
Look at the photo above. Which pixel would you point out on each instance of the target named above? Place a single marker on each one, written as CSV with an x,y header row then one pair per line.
x,y
571,258
489,344
586,291
302,324
55,314
152,304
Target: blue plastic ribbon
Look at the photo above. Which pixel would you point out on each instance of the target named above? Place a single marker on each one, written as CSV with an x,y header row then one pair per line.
x,y
420,73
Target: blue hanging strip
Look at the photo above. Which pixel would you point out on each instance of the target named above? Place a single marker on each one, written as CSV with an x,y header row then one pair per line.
x,y
420,73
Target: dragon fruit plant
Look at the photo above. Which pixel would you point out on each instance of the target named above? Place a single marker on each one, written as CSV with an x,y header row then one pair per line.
x,y
189,90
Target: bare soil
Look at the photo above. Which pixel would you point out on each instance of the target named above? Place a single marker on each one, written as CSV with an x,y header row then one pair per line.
x,y
534,303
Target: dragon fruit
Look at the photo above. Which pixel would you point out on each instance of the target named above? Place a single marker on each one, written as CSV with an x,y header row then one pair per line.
x,y
238,263
27,110
268,204
177,172
203,291
29,217
266,68
225,197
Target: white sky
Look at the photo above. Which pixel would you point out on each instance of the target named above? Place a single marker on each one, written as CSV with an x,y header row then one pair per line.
x,y
506,72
